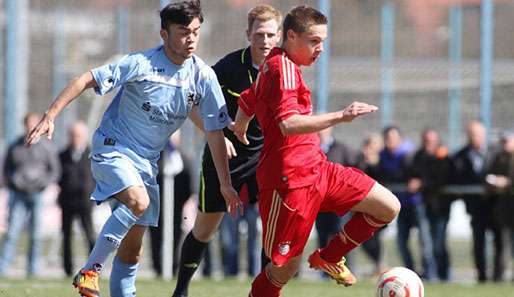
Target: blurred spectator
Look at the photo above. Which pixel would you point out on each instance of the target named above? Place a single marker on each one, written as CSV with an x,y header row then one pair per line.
x,y
368,161
229,235
501,181
76,185
470,165
393,168
175,163
28,171
329,223
429,169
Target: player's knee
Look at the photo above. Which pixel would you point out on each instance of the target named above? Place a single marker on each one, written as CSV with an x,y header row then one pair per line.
x,y
392,207
138,205
203,234
286,272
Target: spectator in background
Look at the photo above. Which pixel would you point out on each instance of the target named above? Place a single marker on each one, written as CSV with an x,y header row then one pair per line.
x,y
368,161
175,163
429,172
470,165
329,223
393,168
229,235
76,185
501,182
27,171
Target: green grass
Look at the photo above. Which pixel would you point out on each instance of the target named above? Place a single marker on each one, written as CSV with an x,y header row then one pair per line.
x,y
233,288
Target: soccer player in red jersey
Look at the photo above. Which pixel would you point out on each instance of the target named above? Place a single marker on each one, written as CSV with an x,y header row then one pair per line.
x,y
296,180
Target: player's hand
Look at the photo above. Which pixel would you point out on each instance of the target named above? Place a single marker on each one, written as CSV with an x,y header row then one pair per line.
x,y
240,132
45,126
232,200
357,109
231,150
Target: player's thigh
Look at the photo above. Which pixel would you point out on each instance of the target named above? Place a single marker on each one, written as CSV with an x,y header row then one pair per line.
x,y
379,203
343,187
131,247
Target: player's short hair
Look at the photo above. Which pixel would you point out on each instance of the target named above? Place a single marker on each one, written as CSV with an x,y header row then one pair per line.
x,y
300,18
263,13
182,13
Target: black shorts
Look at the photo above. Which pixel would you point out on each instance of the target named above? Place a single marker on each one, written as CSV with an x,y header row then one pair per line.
x,y
210,197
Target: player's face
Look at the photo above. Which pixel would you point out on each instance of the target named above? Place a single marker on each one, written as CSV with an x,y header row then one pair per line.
x,y
263,37
180,41
308,45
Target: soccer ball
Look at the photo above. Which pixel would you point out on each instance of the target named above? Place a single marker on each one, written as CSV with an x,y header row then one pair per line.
x,y
399,282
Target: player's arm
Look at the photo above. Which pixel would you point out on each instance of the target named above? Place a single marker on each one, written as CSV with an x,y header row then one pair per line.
x,y
216,141
240,126
301,124
70,92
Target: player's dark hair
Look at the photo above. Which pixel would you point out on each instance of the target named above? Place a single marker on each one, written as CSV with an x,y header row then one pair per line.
x,y
182,13
300,18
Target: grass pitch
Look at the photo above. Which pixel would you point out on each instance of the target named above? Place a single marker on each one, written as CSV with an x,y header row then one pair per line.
x,y
238,288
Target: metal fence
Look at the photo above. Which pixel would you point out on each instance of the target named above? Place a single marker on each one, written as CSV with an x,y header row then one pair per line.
x,y
68,37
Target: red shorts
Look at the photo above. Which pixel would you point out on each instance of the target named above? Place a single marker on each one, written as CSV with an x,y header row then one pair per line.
x,y
289,214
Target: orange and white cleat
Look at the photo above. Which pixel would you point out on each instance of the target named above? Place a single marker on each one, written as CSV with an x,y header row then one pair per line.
x,y
86,281
338,271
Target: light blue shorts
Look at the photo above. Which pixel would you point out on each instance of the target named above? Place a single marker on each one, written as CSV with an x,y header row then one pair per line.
x,y
116,168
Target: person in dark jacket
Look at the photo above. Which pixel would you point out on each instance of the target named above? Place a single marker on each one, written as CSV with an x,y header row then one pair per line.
x,y
469,167
76,185
500,179
27,171
430,167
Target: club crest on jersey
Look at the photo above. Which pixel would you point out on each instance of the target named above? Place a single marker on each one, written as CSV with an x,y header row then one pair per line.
x,y
284,248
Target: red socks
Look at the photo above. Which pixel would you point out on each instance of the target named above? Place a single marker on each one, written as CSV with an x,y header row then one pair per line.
x,y
265,286
356,231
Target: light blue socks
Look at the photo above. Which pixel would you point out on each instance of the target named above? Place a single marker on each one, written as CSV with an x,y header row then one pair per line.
x,y
123,278
109,239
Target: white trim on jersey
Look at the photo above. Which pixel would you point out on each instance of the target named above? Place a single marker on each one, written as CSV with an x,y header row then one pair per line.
x,y
289,74
163,79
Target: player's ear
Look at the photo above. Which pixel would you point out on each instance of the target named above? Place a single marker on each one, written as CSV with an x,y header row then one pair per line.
x,y
248,33
291,35
164,35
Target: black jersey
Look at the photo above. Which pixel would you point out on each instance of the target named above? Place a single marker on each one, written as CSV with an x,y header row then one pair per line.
x,y
235,74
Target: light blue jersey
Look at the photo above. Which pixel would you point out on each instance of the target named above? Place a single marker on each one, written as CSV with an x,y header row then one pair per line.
x,y
154,99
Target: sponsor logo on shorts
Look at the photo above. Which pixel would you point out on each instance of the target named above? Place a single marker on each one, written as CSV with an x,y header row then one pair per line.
x,y
284,248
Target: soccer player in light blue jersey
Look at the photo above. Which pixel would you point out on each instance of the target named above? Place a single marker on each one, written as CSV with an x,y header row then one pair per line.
x,y
158,89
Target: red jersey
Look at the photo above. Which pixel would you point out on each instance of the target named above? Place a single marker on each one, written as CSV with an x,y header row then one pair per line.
x,y
286,161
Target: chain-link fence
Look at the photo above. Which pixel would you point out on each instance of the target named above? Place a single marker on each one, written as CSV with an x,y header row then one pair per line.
x,y
70,37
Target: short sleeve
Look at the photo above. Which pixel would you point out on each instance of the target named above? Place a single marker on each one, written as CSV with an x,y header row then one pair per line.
x,y
111,76
212,103
283,88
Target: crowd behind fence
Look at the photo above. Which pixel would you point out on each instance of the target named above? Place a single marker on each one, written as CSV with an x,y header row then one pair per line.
x,y
68,37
